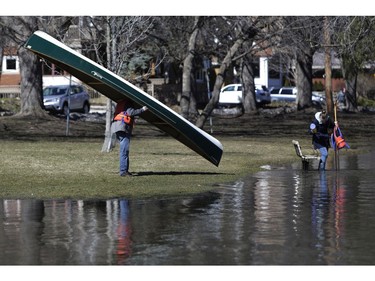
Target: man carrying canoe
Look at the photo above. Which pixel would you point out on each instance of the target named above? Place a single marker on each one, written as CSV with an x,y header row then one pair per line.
x,y
122,125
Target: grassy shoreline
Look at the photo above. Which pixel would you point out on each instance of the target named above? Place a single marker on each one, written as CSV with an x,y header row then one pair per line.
x,y
162,167
37,161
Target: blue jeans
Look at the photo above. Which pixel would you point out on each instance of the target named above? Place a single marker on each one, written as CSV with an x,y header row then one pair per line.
x,y
124,139
323,158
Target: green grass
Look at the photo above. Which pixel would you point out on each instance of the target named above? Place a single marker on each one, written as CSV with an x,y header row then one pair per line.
x,y
10,104
366,102
163,167
37,160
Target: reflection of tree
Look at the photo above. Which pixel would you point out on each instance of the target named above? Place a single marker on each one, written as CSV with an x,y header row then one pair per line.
x,y
31,230
21,235
64,232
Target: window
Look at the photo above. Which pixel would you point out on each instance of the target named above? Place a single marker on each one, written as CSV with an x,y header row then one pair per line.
x,y
10,64
286,91
229,89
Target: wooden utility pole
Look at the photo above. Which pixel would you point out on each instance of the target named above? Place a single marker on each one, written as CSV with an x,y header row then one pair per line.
x,y
328,67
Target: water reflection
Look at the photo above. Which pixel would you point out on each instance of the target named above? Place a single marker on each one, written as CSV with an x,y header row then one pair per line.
x,y
279,216
123,250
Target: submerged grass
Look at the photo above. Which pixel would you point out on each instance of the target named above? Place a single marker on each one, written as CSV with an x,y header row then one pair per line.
x,y
162,166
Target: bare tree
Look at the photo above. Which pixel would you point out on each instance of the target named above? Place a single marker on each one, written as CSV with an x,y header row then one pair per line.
x,y
261,35
211,37
17,29
300,39
122,39
218,83
249,36
353,42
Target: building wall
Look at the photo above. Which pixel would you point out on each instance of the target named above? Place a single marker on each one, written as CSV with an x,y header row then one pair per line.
x,y
10,79
337,83
263,72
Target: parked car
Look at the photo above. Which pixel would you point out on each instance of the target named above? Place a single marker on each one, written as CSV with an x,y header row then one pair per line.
x,y
274,90
231,95
318,99
285,94
289,94
56,98
262,95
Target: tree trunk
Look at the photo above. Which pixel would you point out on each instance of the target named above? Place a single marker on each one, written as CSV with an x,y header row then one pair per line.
x,y
193,112
304,80
186,96
218,84
248,86
109,137
351,97
350,74
108,143
31,84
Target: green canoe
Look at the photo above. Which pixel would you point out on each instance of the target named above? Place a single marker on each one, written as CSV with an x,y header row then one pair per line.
x,y
116,88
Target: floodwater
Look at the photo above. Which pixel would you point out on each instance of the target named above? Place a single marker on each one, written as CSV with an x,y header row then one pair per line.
x,y
280,216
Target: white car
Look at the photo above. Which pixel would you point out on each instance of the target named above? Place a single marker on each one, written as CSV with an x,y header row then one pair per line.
x,y
289,94
285,94
318,99
231,95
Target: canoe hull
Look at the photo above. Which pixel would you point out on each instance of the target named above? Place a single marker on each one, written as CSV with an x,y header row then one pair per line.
x,y
116,88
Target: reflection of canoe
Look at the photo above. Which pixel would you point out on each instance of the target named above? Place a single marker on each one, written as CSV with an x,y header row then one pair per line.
x,y
116,88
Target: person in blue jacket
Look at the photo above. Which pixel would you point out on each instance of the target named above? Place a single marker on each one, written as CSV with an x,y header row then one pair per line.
x,y
122,125
321,128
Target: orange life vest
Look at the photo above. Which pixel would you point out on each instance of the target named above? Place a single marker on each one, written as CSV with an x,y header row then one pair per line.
x,y
340,142
124,117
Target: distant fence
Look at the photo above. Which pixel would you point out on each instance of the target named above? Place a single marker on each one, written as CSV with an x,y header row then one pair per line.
x,y
10,91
